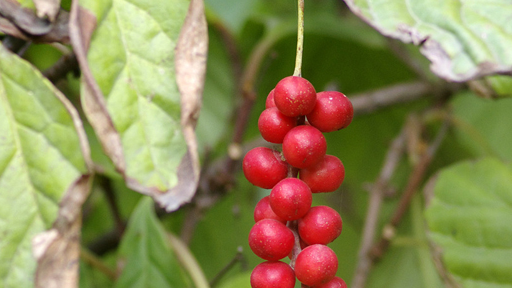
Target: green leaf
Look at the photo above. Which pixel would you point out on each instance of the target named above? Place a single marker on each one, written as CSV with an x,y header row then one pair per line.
x,y
484,125
131,57
470,218
463,39
148,257
40,160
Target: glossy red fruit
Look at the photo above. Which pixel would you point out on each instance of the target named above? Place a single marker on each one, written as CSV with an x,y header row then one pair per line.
x,y
333,111
294,96
321,225
263,167
336,282
273,125
272,275
271,240
269,102
304,146
316,265
290,199
264,211
324,176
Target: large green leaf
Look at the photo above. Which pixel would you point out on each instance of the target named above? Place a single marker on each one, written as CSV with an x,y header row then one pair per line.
x,y
131,58
463,39
40,160
147,254
136,62
470,218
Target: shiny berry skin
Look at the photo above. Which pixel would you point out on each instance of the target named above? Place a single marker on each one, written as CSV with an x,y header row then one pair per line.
x,y
321,225
336,282
273,125
333,111
291,199
324,176
264,211
263,167
269,102
271,240
316,265
294,96
272,275
304,146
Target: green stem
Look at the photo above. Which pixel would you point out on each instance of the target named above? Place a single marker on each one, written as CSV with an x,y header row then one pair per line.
x,y
188,262
94,261
300,39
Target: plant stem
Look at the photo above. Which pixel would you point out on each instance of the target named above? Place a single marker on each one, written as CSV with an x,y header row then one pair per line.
x,y
94,261
300,39
188,261
393,157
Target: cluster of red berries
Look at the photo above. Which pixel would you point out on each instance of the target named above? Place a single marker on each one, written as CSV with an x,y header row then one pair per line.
x,y
295,116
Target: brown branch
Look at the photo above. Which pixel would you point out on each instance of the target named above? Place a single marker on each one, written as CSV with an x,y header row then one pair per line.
x,y
368,102
377,192
61,68
412,186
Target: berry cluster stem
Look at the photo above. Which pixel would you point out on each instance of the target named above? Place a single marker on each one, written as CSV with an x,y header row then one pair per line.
x,y
300,39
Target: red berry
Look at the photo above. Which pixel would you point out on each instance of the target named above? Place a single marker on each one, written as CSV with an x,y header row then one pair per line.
x,y
333,111
264,167
321,225
304,146
273,125
336,282
324,176
269,103
272,275
294,96
291,199
271,240
315,265
264,211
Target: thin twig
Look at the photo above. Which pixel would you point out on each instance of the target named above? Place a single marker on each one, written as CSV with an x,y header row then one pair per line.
x,y
368,102
92,260
391,161
239,257
413,183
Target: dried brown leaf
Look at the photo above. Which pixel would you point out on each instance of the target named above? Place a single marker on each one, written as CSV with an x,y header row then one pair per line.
x,y
57,250
190,59
47,8
25,19
59,30
81,26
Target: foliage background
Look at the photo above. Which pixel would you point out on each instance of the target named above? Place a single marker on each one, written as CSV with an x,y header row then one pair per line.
x,y
342,53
